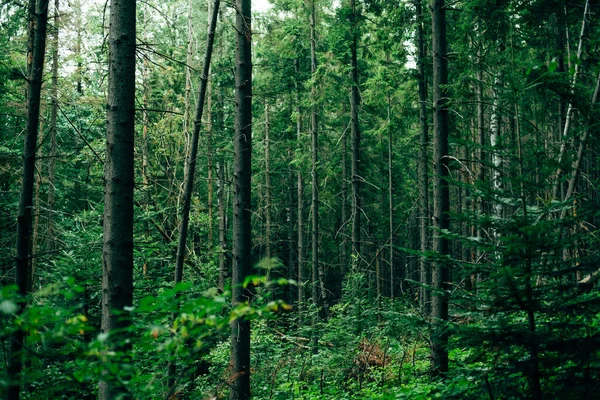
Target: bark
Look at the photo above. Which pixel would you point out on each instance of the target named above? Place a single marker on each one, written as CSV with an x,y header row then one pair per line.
x,y
37,42
497,184
301,268
51,235
425,266
117,273
316,275
356,137
223,264
441,193
391,207
145,171
290,226
481,155
344,204
191,164
267,186
242,227
209,160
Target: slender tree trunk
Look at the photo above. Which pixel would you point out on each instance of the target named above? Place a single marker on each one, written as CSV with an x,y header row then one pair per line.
x,y
497,184
191,165
344,205
301,268
209,152
223,264
425,266
242,208
316,284
441,192
481,154
145,169
39,15
117,273
391,205
290,222
51,235
267,185
356,137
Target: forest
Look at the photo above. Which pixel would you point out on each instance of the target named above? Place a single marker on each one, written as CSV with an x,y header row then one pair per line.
x,y
299,199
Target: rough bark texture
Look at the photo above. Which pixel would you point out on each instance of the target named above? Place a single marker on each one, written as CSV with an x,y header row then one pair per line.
x,y
441,193
354,102
51,235
314,127
425,266
301,268
242,228
117,272
37,39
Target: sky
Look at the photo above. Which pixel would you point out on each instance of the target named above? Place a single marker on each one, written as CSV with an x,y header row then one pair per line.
x,y
261,5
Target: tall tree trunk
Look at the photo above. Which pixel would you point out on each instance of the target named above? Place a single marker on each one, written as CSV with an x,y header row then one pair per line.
x,y
441,192
267,186
301,267
242,207
145,167
316,284
51,235
209,152
424,265
391,205
223,264
117,272
481,154
497,184
290,222
344,206
191,164
354,102
39,15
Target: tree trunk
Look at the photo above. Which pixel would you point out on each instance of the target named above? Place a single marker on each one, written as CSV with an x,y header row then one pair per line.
x,y
497,184
316,284
39,14
242,226
223,264
424,265
344,207
51,235
117,273
301,268
191,164
145,171
441,193
354,102
267,187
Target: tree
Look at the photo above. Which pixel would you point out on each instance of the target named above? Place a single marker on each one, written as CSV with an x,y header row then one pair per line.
x,y
242,204
441,192
425,267
117,271
38,12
